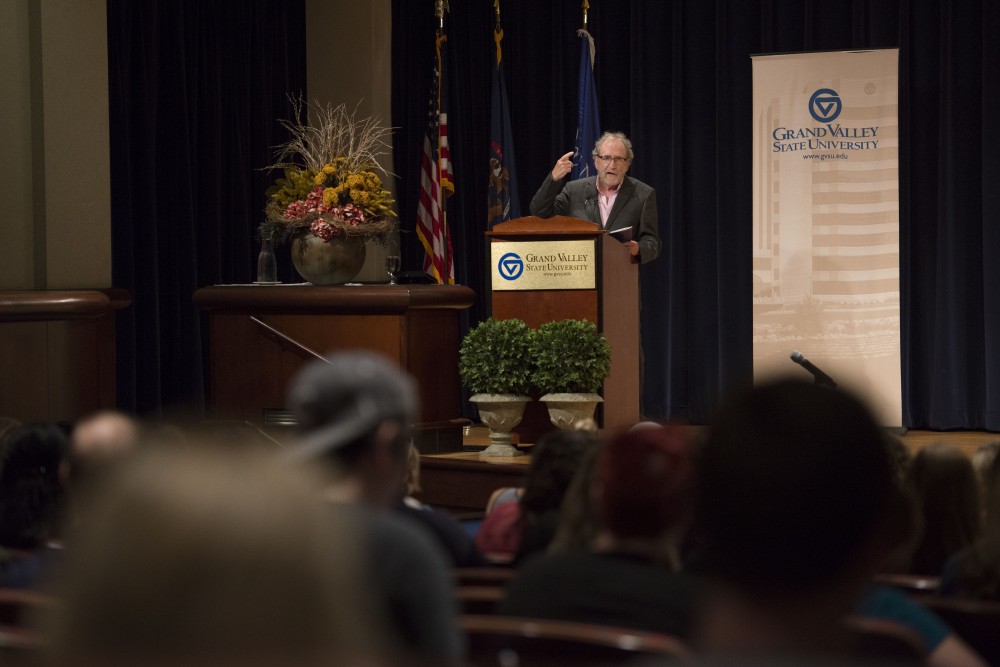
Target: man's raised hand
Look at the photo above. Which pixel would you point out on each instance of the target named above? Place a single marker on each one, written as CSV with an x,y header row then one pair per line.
x,y
564,165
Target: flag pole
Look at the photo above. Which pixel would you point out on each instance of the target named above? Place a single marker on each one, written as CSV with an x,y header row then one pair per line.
x,y
440,7
586,8
497,29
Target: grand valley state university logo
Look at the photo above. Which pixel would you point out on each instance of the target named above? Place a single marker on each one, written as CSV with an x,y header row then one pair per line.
x,y
510,266
825,105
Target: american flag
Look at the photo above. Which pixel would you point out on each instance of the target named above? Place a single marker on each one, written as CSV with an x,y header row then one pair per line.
x,y
436,179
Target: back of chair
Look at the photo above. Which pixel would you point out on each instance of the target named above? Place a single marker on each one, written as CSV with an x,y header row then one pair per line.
x,y
483,576
976,622
878,641
499,641
478,599
17,606
19,648
909,583
20,644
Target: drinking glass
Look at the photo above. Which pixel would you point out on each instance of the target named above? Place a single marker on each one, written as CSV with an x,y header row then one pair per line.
x,y
392,267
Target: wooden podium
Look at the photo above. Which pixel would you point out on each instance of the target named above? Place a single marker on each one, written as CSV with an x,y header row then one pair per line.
x,y
548,253
260,336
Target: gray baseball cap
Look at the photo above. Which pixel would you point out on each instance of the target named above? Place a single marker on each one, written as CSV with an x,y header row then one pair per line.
x,y
347,394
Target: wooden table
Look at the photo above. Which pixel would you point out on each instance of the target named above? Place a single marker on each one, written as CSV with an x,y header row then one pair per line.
x,y
461,483
261,335
57,352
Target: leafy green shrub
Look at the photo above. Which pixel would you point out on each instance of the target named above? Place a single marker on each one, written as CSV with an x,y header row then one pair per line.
x,y
570,356
495,357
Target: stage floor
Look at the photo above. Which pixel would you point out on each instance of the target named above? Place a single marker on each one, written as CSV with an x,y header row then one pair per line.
x,y
915,440
967,441
462,481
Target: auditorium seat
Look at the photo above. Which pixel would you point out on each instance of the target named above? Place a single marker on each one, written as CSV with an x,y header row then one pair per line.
x,y
18,605
881,641
909,583
504,640
19,643
483,576
479,599
975,621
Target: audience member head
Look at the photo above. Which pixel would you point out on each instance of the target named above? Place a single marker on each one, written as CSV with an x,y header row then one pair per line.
x,y
30,489
990,536
644,482
555,459
645,425
7,427
99,440
793,486
976,572
982,463
198,556
579,520
899,456
944,485
411,480
355,409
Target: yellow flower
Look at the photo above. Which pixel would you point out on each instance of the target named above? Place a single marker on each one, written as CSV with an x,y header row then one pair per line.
x,y
320,178
328,169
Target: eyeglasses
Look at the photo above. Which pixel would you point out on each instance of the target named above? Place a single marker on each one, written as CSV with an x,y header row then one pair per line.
x,y
612,158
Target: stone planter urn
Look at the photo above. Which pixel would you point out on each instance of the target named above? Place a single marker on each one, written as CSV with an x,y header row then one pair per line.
x,y
566,410
332,262
501,413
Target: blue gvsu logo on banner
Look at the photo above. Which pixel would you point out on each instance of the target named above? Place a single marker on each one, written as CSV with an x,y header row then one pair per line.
x,y
510,266
832,139
825,105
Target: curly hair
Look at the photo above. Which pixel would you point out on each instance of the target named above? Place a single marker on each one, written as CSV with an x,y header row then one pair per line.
x,y
554,461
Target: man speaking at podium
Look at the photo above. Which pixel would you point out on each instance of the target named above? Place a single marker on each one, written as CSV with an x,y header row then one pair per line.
x,y
624,206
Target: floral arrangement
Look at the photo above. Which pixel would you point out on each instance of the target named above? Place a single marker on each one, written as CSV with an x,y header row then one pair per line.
x,y
331,184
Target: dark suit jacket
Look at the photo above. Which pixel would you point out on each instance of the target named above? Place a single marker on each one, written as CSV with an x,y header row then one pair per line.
x,y
635,206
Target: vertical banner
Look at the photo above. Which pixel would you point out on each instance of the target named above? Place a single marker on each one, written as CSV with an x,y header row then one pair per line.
x,y
826,220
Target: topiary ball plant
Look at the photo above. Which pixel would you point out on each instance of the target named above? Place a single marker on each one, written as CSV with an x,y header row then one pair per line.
x,y
570,357
495,357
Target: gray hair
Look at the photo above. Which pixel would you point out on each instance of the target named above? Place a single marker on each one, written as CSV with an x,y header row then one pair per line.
x,y
620,136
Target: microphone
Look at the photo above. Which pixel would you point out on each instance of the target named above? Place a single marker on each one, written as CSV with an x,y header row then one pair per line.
x,y
818,376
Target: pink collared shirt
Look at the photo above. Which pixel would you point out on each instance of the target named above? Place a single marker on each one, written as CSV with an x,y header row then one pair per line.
x,y
606,201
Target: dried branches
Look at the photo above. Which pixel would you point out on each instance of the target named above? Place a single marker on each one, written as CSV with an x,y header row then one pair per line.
x,y
334,133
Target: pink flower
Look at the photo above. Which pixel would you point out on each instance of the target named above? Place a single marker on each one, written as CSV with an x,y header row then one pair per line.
x,y
350,214
296,210
323,229
312,204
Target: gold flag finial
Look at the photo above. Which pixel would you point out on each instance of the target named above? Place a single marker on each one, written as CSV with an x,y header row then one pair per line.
x,y
586,8
497,29
440,7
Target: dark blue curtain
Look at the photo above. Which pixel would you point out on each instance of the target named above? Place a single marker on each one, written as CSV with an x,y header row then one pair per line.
x,y
196,89
676,77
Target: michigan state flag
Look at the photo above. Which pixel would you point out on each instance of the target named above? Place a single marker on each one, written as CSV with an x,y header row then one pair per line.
x,y
503,198
588,126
